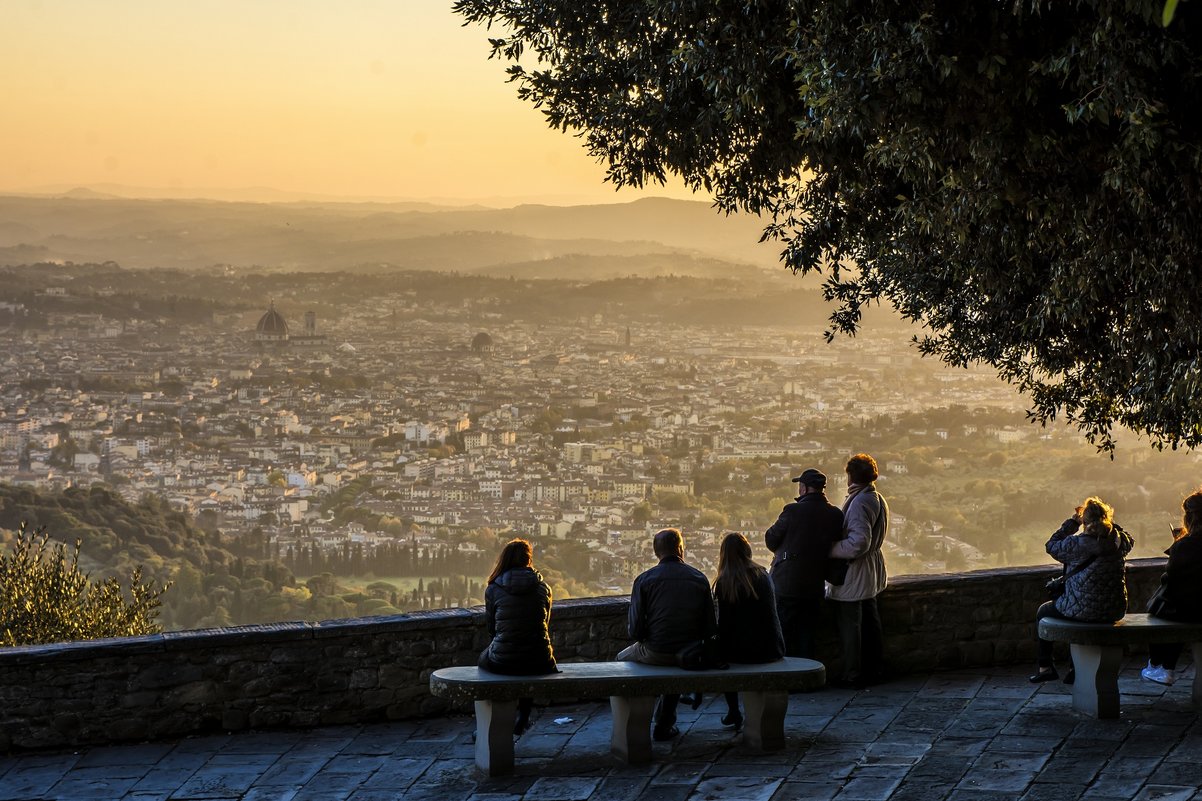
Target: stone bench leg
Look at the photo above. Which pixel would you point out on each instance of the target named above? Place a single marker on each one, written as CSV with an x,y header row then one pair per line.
x,y
494,736
631,738
764,719
1096,689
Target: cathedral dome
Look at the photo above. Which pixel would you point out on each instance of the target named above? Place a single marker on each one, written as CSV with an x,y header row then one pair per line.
x,y
272,325
482,343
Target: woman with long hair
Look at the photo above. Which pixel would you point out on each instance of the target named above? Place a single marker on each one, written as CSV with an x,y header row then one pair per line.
x,y
748,626
517,611
1182,589
1092,547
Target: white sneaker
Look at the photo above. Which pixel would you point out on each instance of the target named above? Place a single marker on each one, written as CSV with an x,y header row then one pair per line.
x,y
1159,675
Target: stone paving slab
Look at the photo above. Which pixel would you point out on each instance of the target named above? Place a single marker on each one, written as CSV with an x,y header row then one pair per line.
x,y
942,737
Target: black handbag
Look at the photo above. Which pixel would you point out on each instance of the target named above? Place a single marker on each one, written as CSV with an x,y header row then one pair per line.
x,y
705,654
1056,586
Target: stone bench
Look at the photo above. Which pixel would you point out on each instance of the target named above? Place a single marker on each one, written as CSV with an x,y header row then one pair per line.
x,y
1097,651
632,689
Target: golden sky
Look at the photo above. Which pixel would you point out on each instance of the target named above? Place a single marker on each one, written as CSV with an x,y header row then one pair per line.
x,y
355,98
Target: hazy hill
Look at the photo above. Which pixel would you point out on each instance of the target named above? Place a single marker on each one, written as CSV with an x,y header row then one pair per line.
x,y
339,236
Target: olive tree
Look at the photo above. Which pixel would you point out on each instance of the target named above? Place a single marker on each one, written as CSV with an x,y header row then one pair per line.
x,y
45,597
1023,179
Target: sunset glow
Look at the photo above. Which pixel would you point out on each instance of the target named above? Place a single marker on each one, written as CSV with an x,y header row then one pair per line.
x,y
357,99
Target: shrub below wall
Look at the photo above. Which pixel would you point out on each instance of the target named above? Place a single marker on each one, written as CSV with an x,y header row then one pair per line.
x,y
370,669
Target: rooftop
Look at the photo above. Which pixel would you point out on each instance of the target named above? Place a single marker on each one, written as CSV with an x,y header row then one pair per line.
x,y
961,736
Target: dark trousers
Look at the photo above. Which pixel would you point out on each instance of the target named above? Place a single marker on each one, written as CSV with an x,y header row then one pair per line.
x,y
861,638
1164,654
799,618
665,712
1043,649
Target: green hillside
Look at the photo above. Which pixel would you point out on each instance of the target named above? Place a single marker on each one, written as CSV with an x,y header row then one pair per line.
x,y
215,583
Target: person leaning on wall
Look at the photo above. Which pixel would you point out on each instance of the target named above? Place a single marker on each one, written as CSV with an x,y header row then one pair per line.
x,y
800,541
865,524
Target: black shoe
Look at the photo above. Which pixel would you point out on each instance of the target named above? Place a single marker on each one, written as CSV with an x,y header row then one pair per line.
x,y
1071,676
693,700
663,735
734,718
1043,675
521,727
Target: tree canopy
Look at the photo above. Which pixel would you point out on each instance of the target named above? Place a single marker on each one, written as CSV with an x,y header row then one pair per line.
x,y
1020,178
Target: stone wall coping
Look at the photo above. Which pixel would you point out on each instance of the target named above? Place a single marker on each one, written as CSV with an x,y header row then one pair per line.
x,y
433,619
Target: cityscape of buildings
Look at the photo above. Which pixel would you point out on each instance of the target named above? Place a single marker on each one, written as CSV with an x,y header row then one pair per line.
x,y
452,419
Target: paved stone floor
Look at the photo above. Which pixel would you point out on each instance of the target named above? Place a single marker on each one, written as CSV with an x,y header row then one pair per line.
x,y
956,736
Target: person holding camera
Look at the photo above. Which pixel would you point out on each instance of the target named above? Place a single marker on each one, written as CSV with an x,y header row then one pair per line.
x,y
1180,593
1092,547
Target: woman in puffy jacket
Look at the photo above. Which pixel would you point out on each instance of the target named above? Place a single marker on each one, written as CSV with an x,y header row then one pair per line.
x,y
1095,586
748,627
517,609
1182,594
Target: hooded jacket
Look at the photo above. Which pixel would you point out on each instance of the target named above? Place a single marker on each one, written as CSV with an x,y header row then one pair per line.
x,y
1095,592
517,609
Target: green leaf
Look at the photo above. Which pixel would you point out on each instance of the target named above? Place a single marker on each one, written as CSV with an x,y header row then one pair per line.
x,y
1170,8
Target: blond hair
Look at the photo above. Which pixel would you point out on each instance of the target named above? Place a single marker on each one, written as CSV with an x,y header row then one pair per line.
x,y
1097,517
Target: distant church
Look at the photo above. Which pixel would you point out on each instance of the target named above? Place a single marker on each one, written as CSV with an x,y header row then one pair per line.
x,y
482,343
273,331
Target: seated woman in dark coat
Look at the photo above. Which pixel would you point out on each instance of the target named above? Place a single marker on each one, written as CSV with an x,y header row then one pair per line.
x,y
1095,585
748,626
1182,595
517,609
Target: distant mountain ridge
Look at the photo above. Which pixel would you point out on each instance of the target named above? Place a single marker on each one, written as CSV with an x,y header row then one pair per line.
x,y
195,234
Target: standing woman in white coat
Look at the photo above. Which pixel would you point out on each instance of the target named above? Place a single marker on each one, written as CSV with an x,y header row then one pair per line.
x,y
865,523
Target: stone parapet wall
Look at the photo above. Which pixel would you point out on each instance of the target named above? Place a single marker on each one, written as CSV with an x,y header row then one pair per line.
x,y
344,671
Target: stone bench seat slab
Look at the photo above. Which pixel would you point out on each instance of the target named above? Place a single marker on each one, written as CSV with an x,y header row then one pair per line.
x,y
632,689
1097,652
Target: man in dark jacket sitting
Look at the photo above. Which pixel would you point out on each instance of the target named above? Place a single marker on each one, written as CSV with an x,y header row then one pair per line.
x,y
671,607
800,541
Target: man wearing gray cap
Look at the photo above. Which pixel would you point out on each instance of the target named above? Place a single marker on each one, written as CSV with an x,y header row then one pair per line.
x,y
800,541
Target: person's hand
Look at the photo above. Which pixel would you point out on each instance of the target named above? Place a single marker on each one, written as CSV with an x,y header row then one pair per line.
x,y
1077,513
